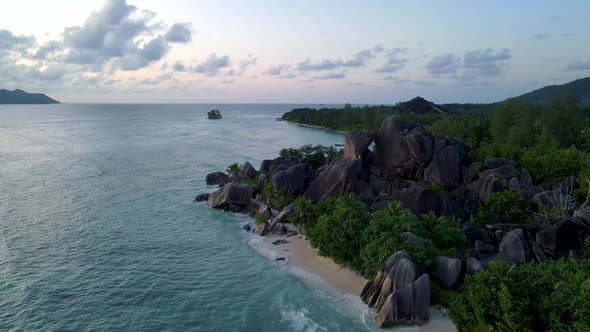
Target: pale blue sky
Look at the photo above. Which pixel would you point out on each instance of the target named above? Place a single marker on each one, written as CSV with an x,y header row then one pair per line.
x,y
291,51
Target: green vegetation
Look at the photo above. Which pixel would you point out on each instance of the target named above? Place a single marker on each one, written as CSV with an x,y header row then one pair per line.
x,y
503,207
276,199
553,296
260,219
342,228
315,156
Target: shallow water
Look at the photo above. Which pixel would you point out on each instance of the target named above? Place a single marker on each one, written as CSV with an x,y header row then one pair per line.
x,y
98,231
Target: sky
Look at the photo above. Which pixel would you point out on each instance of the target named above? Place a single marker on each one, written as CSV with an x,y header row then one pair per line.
x,y
323,51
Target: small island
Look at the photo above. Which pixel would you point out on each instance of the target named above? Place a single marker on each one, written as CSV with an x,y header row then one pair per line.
x,y
214,115
21,97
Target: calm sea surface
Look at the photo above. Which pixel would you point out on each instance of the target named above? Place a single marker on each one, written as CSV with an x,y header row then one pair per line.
x,y
98,231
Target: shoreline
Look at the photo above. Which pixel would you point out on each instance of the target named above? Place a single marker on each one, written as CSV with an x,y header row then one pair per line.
x,y
299,253
315,127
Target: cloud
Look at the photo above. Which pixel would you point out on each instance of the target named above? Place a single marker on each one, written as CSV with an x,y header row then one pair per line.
x,y
11,42
443,64
485,63
212,65
540,36
578,65
119,36
283,71
360,59
327,64
331,76
392,65
396,80
567,34
157,80
178,66
179,33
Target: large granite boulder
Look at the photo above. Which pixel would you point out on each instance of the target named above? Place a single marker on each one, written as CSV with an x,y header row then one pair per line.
x,y
445,168
216,178
231,195
249,170
391,149
291,179
447,271
202,197
420,143
409,305
561,238
514,247
422,200
547,198
338,180
395,293
357,142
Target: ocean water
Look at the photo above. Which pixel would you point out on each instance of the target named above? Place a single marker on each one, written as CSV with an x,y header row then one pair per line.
x,y
98,231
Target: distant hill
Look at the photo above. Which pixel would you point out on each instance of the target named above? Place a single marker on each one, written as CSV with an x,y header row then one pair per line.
x,y
579,88
22,97
420,105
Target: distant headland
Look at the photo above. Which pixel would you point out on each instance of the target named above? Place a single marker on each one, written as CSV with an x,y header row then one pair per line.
x,y
21,97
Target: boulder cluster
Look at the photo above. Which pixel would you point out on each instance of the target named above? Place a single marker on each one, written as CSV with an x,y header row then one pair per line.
x,y
426,172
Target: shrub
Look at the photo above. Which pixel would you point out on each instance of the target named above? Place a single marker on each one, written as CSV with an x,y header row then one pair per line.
x,y
530,297
552,165
273,198
302,214
315,156
337,232
260,219
496,150
505,206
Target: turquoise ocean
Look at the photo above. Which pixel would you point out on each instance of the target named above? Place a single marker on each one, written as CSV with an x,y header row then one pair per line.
x,y
98,231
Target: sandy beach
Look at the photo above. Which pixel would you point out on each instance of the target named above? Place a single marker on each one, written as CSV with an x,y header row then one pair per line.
x,y
298,252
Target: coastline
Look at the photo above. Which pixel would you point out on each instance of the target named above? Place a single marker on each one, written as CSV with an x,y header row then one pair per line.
x,y
299,253
316,127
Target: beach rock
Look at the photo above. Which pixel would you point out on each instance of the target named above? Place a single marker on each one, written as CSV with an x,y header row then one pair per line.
x,y
514,247
445,168
279,242
231,194
372,289
249,170
281,217
201,197
277,228
447,271
296,176
247,227
336,181
474,266
357,142
409,305
216,178
261,229
422,200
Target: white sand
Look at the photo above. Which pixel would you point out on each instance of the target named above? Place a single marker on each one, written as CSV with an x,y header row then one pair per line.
x,y
298,252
